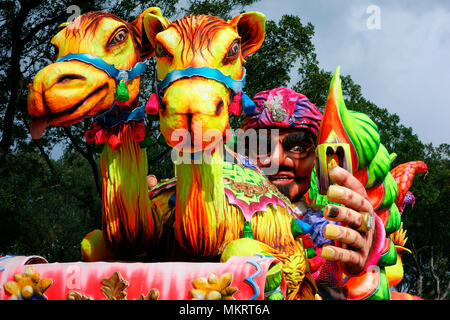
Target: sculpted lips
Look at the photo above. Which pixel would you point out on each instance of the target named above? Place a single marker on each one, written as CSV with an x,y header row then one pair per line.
x,y
282,178
78,105
38,125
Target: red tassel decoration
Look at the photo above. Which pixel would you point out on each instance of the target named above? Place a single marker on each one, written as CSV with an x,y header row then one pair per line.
x,y
123,104
138,133
101,136
89,134
152,106
114,142
307,241
235,105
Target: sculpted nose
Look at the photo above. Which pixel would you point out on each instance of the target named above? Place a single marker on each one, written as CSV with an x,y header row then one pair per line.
x,y
277,156
67,77
189,122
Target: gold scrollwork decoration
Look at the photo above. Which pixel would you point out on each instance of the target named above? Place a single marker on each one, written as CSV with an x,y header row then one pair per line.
x,y
114,288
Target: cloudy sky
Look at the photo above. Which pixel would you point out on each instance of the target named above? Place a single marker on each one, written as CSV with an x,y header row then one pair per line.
x,y
402,63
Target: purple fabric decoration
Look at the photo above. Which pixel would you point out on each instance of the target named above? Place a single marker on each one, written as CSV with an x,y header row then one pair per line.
x,y
318,223
409,199
283,108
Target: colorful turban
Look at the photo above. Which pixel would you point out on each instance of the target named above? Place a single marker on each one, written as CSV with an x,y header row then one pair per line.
x,y
283,108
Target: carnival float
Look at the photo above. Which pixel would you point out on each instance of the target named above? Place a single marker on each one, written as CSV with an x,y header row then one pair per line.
x,y
218,230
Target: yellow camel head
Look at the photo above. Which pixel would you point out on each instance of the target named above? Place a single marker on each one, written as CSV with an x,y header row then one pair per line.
x,y
199,47
67,91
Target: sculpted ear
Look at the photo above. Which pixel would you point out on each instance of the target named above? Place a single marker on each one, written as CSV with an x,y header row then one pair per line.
x,y
154,24
251,27
146,46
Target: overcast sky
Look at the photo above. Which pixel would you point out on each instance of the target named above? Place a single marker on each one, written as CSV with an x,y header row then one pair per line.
x,y
402,64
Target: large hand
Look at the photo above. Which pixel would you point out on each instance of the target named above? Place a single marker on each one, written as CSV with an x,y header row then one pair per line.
x,y
355,234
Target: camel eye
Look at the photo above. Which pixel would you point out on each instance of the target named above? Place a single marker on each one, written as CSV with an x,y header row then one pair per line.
x,y
160,51
234,49
233,52
119,37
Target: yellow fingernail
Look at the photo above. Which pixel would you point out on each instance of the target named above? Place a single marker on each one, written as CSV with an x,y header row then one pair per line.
x,y
331,231
335,192
327,253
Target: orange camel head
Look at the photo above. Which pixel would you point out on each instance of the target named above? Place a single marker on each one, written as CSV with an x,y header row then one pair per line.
x,y
72,88
199,69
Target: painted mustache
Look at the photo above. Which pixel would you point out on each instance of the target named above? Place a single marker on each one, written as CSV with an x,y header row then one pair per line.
x,y
284,173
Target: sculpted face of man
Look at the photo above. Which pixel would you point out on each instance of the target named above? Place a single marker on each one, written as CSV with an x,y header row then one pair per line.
x,y
293,150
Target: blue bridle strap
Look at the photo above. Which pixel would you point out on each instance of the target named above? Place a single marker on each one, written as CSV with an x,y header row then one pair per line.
x,y
110,69
107,120
205,72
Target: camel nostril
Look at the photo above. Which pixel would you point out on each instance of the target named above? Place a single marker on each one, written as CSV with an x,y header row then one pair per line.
x,y
219,107
189,122
162,105
69,76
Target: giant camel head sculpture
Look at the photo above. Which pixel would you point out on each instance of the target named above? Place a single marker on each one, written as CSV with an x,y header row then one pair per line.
x,y
93,53
199,71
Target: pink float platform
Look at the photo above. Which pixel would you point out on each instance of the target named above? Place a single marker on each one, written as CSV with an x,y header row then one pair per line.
x,y
169,281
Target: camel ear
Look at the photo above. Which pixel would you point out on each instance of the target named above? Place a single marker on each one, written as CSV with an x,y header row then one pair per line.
x,y
62,26
154,24
147,48
251,27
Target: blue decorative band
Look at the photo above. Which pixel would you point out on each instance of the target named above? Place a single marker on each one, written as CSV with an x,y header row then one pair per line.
x,y
251,279
205,72
110,69
10,256
107,120
306,227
